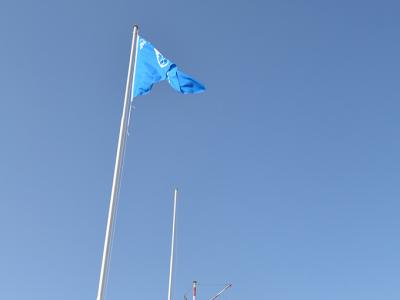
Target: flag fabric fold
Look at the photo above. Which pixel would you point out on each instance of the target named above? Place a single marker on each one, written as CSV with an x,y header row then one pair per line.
x,y
153,67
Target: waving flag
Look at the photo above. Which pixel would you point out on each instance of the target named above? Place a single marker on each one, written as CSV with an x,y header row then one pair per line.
x,y
153,67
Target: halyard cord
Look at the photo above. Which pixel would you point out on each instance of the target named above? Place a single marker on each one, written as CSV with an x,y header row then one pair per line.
x,y
129,116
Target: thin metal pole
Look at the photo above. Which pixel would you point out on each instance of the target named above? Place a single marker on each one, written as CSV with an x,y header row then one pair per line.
x,y
118,166
171,263
194,290
223,290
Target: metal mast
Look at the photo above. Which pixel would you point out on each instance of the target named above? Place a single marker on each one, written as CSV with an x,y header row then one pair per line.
x,y
118,166
171,263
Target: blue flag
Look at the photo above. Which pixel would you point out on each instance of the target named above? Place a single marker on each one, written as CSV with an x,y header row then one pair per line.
x,y
152,67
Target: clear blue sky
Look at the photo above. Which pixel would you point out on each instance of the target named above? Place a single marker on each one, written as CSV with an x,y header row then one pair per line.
x,y
288,165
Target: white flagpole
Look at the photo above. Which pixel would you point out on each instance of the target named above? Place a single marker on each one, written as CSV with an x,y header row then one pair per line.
x,y
171,263
118,166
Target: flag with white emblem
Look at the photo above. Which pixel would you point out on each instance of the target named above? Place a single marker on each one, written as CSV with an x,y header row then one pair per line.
x,y
153,67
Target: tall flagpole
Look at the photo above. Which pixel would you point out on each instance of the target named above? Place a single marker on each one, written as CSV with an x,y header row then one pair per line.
x,y
118,166
171,263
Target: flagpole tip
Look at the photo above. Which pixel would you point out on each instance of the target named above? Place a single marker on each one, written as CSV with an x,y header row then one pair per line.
x,y
136,27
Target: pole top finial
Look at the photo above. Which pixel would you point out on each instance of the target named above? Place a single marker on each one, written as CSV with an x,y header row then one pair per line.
x,y
136,26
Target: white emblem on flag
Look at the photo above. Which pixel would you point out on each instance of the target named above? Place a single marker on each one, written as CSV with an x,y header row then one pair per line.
x,y
162,61
142,43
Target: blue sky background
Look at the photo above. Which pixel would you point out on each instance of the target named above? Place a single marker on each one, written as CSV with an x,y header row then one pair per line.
x,y
288,165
